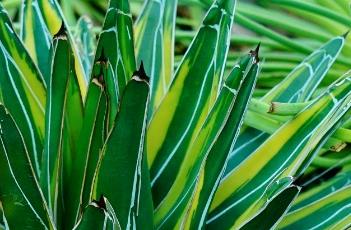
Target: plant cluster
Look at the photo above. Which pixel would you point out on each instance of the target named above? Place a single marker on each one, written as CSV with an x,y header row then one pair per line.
x,y
118,132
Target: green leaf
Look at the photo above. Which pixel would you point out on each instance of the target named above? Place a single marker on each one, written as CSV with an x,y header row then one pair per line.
x,y
68,11
104,69
96,143
116,42
20,195
284,153
93,218
73,122
85,41
185,107
91,141
216,161
58,104
275,210
310,196
2,219
154,32
169,17
36,36
32,80
195,183
2,224
326,213
301,83
98,215
24,95
123,160
54,19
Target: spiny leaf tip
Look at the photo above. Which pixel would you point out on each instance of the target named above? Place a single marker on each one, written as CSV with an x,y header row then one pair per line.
x,y
345,34
140,74
254,53
100,203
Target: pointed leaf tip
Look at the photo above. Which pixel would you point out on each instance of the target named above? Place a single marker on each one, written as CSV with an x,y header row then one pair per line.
x,y
345,34
101,203
255,52
62,33
140,74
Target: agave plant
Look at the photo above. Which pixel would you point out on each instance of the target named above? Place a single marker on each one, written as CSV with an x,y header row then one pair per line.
x,y
90,141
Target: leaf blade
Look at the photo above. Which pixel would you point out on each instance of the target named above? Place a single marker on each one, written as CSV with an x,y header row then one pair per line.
x,y
124,148
306,135
20,193
183,110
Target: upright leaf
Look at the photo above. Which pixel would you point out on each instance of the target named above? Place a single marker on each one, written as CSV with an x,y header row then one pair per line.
x,y
58,88
36,36
169,17
123,161
180,206
154,32
116,42
91,140
23,89
28,114
20,196
182,112
73,122
213,167
94,218
54,19
85,40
